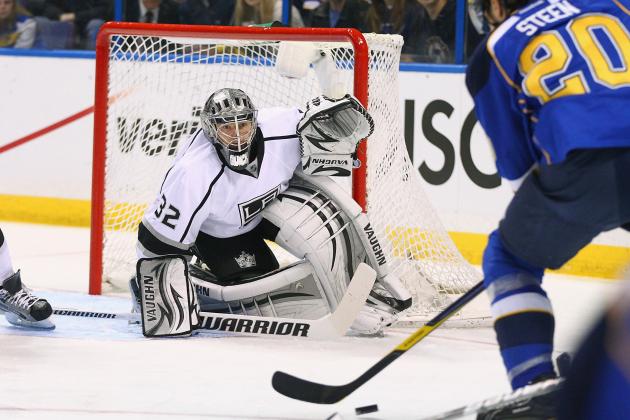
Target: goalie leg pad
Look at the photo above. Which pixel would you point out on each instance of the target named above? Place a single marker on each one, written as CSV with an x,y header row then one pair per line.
x,y
365,237
293,291
168,303
323,230
313,227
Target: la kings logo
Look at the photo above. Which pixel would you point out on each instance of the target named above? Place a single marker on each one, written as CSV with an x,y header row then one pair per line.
x,y
245,260
250,209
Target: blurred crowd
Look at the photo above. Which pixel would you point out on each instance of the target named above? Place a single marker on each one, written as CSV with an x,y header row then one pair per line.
x,y
427,26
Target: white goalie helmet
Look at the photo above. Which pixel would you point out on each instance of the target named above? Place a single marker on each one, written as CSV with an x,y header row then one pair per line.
x,y
230,120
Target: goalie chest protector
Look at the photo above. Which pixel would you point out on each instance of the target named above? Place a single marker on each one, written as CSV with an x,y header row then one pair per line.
x,y
200,193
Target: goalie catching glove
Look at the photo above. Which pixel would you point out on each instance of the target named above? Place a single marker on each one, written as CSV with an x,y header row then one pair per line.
x,y
330,131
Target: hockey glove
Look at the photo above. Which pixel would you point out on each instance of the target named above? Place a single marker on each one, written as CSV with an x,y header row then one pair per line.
x,y
330,131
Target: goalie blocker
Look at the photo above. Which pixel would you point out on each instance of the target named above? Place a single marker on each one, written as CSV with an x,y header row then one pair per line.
x,y
168,303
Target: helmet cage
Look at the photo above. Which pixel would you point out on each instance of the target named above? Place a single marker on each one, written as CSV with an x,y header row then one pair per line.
x,y
230,121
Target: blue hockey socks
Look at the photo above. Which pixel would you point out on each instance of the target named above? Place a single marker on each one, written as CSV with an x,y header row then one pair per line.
x,y
523,317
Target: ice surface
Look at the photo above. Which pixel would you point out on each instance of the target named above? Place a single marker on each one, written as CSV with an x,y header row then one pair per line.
x,y
104,369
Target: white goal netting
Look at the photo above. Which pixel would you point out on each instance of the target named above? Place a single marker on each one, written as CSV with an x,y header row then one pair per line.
x,y
156,86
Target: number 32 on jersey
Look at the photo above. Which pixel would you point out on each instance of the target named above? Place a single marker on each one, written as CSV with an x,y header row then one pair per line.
x,y
600,39
170,216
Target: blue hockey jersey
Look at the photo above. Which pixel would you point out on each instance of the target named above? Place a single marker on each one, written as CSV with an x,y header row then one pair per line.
x,y
554,77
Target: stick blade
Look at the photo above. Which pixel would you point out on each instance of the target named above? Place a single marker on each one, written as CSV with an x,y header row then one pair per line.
x,y
354,299
303,390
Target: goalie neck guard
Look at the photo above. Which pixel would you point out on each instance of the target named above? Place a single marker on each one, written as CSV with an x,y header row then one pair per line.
x,y
229,120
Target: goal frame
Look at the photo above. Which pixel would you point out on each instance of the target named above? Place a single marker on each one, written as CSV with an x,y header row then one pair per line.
x,y
101,101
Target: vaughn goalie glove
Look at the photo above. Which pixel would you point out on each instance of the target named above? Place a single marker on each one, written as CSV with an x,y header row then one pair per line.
x,y
330,131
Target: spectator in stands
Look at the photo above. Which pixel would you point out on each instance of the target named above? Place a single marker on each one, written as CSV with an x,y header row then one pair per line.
x,y
340,14
17,28
151,11
404,17
306,8
206,12
86,16
256,12
440,45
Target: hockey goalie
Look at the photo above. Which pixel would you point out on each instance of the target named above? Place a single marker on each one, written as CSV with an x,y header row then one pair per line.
x,y
250,175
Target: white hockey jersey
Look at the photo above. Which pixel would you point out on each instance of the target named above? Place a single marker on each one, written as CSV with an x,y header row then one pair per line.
x,y
201,193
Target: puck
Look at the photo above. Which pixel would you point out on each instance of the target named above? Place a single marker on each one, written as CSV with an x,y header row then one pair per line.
x,y
366,409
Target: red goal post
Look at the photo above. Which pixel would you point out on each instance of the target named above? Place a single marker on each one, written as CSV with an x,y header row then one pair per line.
x,y
102,99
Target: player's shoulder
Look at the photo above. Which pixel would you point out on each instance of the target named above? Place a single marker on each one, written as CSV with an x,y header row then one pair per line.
x,y
198,158
278,123
478,68
506,43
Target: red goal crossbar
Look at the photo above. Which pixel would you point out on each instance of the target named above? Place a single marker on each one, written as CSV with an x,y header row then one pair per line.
x,y
102,99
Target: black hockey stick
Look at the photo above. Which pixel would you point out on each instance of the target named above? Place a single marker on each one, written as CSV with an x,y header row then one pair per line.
x,y
303,390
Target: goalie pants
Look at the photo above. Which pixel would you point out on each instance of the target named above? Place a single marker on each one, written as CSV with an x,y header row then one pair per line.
x,y
239,257
558,210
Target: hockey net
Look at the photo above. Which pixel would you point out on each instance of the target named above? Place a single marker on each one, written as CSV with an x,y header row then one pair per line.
x,y
152,81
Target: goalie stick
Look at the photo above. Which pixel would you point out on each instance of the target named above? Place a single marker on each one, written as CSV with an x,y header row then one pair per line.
x,y
304,390
332,325
95,314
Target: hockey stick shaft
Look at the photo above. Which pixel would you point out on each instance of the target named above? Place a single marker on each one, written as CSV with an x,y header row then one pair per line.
x,y
94,314
230,323
303,390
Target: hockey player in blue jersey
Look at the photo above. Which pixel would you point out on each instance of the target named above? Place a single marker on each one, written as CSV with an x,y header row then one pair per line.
x,y
551,87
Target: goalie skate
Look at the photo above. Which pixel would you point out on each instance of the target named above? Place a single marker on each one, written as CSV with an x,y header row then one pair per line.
x,y
22,308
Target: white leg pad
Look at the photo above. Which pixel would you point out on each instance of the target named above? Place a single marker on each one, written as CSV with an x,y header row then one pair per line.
x,y
289,292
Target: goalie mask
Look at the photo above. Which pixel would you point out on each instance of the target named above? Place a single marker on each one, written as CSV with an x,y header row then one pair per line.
x,y
229,120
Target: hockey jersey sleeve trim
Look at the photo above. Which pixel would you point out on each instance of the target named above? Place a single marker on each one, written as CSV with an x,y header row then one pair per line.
x,y
142,252
155,242
622,7
203,202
